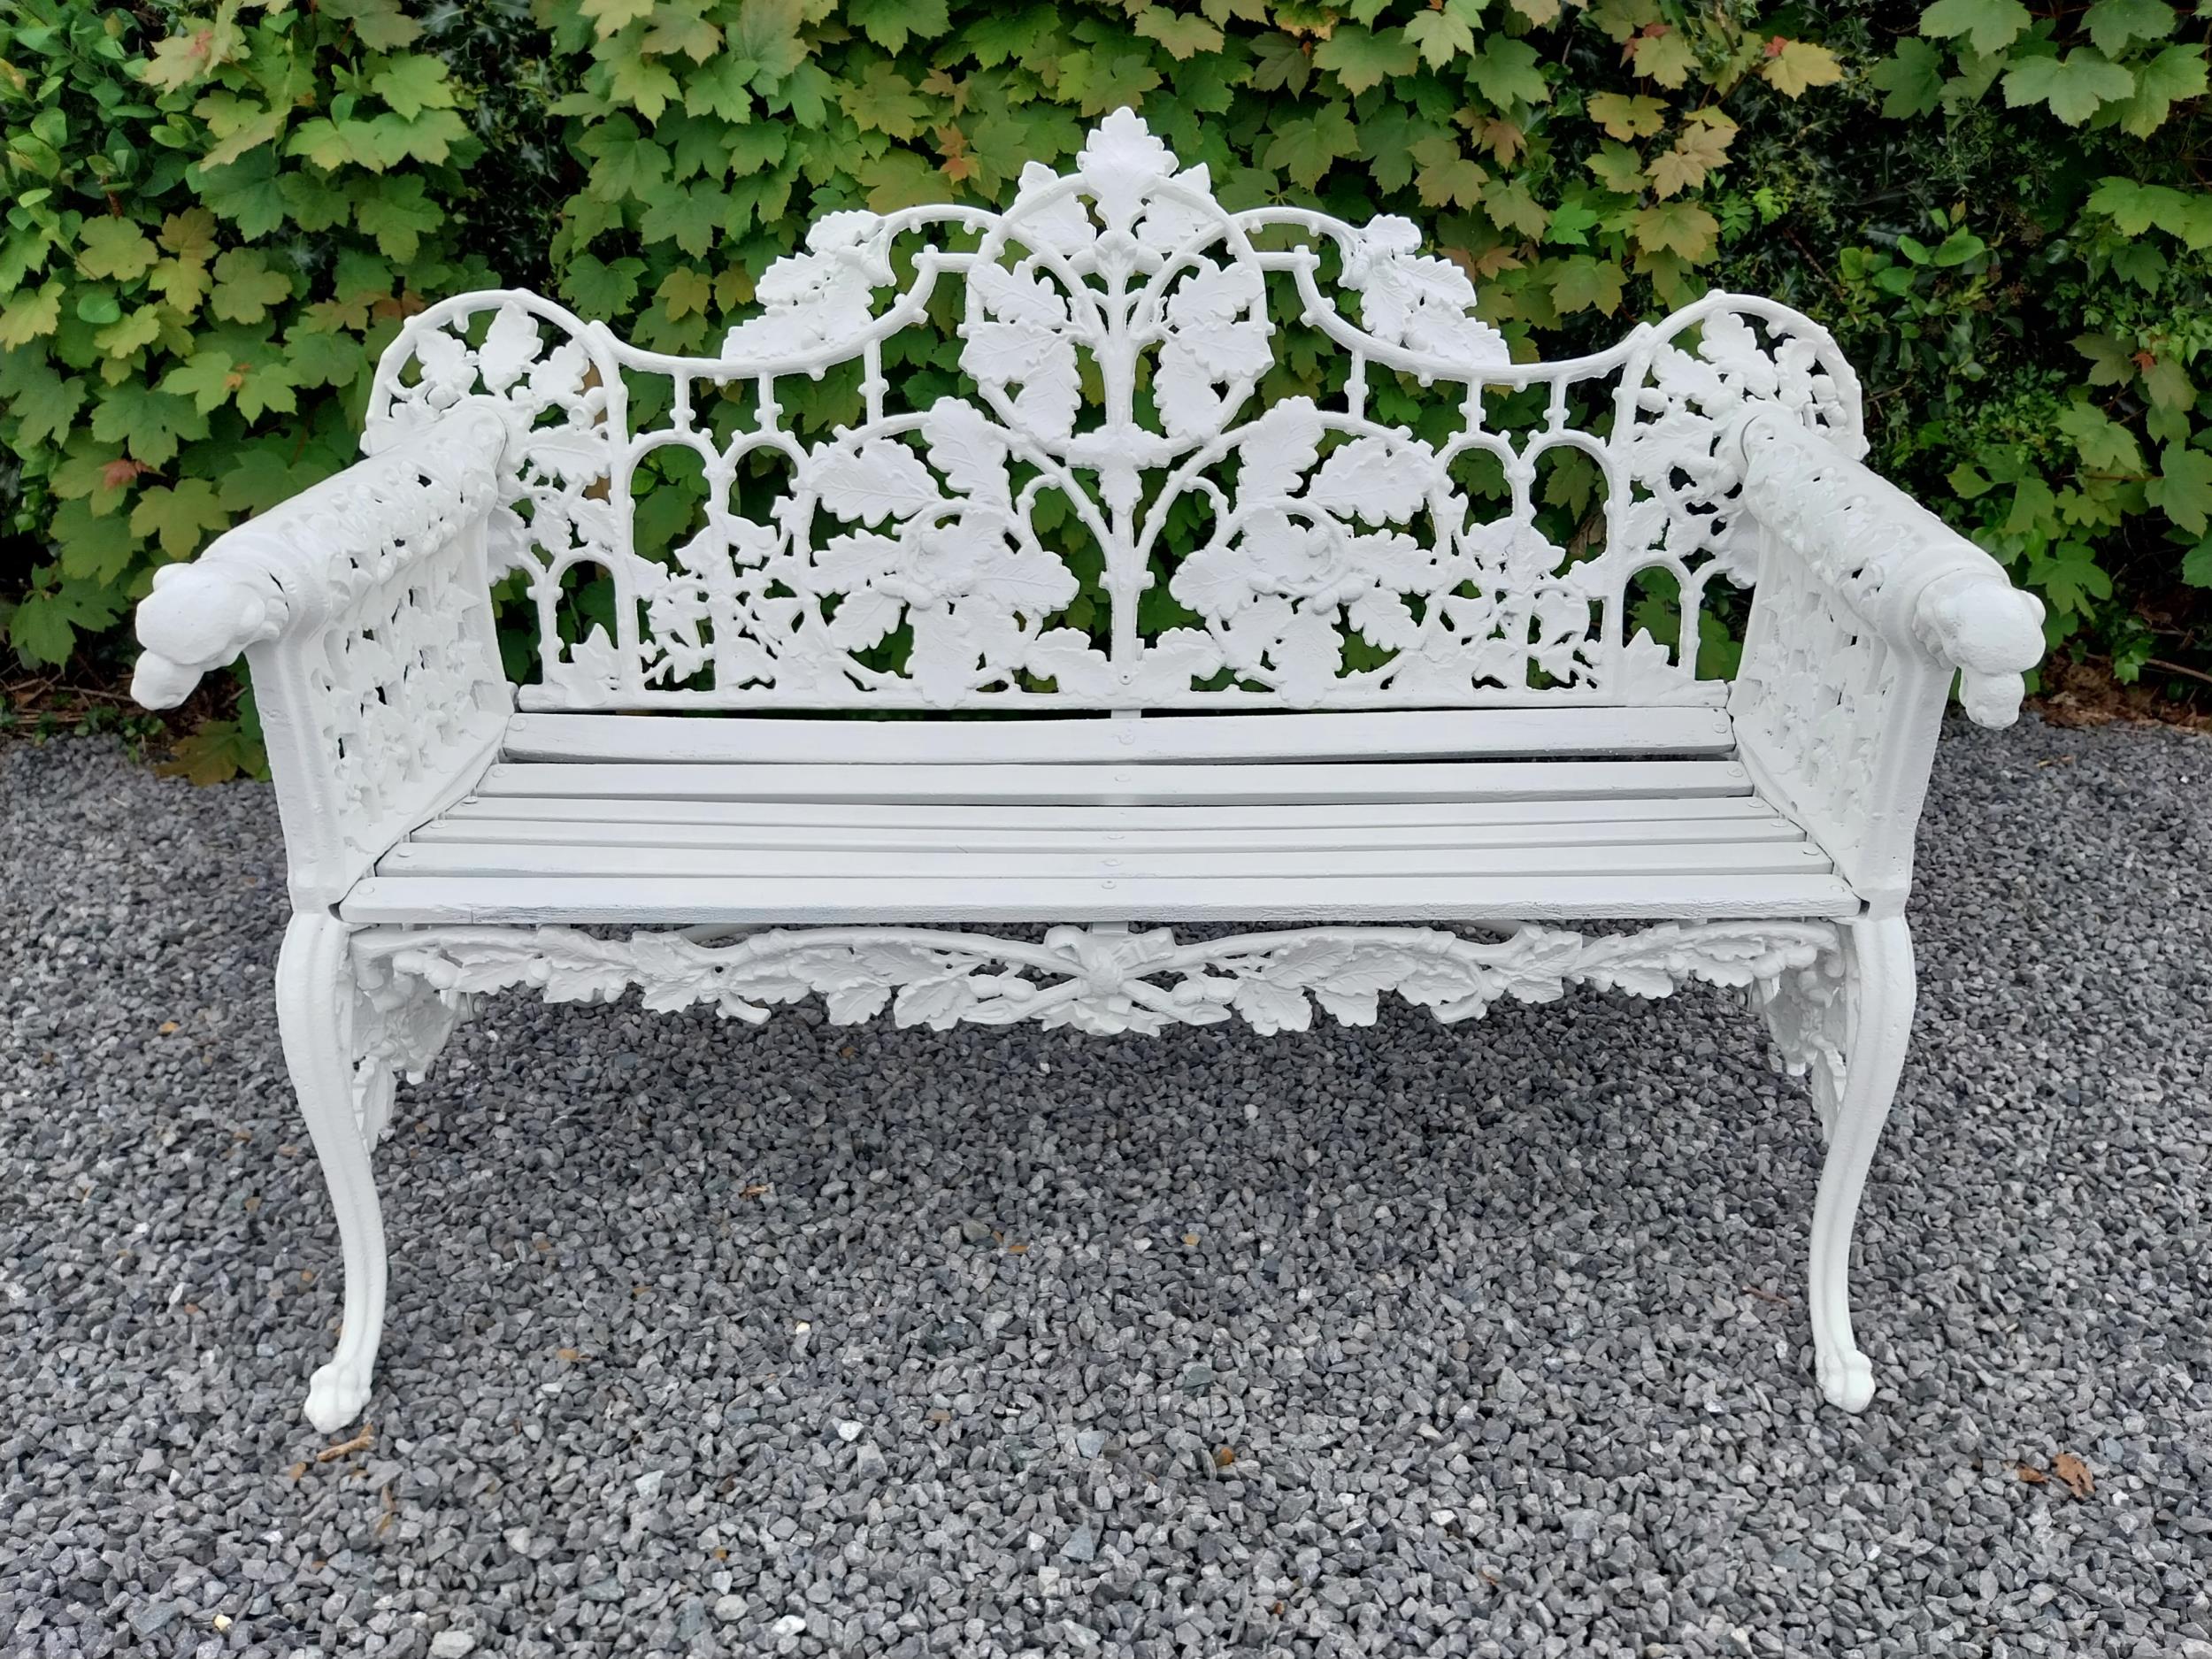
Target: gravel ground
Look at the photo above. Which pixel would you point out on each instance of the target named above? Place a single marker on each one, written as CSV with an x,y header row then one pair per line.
x,y
806,1340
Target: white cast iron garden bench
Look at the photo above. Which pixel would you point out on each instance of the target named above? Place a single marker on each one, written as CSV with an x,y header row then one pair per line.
x,y
1167,650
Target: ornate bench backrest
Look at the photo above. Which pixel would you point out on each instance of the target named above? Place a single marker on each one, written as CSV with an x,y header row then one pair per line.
x,y
1102,506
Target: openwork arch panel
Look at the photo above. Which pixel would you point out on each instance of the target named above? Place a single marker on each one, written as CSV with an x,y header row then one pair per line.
x,y
1129,486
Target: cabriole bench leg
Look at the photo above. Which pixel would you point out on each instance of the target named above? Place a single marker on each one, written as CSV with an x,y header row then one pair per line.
x,y
315,991
1879,990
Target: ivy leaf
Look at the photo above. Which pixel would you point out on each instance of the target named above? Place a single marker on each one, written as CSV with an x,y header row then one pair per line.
x,y
1792,68
888,23
1989,26
179,516
1441,36
1185,38
1625,115
246,289
2073,88
1679,227
1583,282
2183,489
1506,70
1305,146
108,247
2112,24
413,84
1360,58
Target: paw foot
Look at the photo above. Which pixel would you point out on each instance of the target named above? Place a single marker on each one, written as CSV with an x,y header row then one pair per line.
x,y
1847,1379
335,1394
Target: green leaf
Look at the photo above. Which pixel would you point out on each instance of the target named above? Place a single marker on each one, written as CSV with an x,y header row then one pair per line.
x,y
148,423
2110,363
1583,283
1794,67
2071,578
2112,24
600,289
399,215
889,22
181,516
25,316
2074,88
1913,79
1360,58
692,218
2174,76
1506,71
2196,565
1441,36
246,194
767,34
412,85
1666,56
246,289
2135,208
1305,146
1989,26
2183,489
2102,443
626,163
114,248
44,628
41,402
94,546
884,101
381,24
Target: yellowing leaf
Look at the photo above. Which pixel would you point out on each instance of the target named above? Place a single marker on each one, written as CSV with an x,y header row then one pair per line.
x,y
1664,55
1623,116
1182,36
609,16
1679,227
108,247
1698,149
413,84
685,291
1794,66
245,288
1441,36
1359,57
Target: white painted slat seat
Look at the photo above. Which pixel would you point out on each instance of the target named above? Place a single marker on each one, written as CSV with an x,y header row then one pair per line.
x,y
1408,731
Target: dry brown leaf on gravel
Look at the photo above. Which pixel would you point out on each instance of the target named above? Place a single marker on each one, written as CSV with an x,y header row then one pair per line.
x,y
2075,1473
2034,1476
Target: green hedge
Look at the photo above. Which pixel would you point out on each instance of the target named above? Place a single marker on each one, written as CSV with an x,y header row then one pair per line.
x,y
218,220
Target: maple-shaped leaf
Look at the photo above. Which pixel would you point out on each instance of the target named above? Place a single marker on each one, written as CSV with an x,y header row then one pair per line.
x,y
1625,115
1678,228
2074,86
110,247
1361,58
1698,149
1792,67
1585,282
1989,26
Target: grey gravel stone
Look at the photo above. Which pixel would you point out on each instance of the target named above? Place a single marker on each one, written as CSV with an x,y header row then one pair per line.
x,y
1504,1322
452,1644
